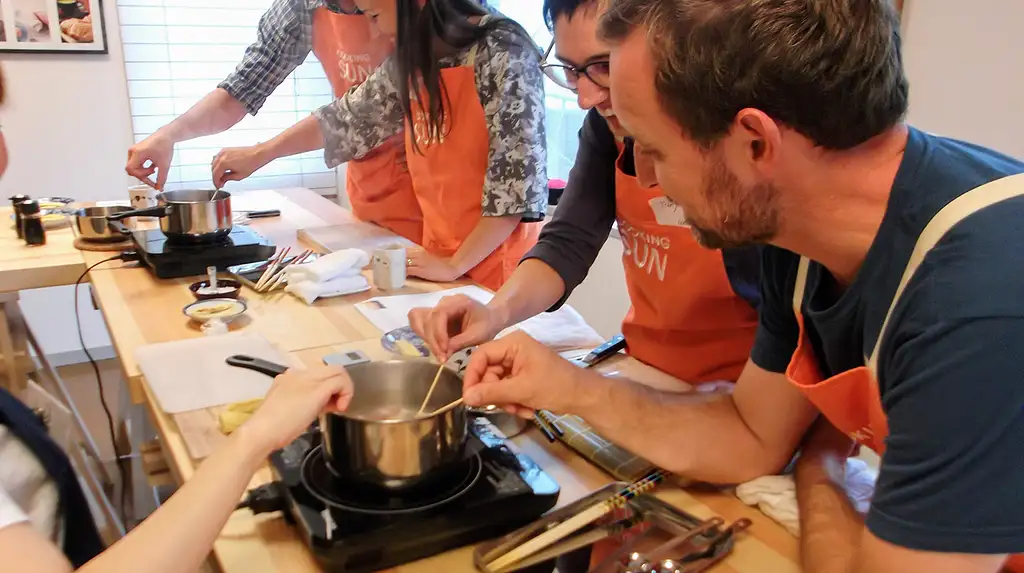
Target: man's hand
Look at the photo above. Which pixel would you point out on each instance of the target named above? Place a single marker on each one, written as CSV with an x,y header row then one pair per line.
x,y
432,268
149,156
294,401
237,163
455,323
521,375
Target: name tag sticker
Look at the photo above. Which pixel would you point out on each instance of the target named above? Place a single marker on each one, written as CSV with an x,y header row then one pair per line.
x,y
667,212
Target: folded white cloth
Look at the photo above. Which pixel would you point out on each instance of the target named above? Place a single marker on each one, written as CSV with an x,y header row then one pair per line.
x,y
344,263
309,291
775,496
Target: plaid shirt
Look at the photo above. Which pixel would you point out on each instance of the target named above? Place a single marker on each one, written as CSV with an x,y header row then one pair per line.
x,y
284,39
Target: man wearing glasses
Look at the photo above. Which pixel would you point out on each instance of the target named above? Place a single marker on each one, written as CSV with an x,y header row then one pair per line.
x,y
349,48
693,311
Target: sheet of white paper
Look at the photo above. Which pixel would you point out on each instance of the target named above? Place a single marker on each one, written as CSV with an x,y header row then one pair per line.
x,y
562,330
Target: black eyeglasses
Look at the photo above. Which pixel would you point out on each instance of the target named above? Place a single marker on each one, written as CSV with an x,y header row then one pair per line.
x,y
568,77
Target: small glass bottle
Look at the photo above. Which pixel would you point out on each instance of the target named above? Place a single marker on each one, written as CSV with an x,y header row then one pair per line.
x,y
16,201
32,223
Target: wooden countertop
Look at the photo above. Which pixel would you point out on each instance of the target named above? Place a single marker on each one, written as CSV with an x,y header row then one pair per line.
x,y
141,310
56,263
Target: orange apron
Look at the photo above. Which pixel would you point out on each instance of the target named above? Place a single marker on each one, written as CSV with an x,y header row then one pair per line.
x,y
448,175
379,186
685,318
851,401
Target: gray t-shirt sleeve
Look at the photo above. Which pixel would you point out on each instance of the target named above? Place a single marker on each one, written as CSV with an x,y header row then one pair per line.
x,y
571,241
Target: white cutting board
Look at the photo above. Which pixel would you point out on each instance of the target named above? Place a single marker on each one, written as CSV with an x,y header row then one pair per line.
x,y
352,235
191,374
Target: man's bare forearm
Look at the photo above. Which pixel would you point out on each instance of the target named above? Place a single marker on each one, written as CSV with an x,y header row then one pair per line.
x,y
700,436
829,524
218,111
532,289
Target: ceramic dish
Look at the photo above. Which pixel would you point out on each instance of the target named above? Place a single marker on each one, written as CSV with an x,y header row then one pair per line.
x,y
226,288
224,309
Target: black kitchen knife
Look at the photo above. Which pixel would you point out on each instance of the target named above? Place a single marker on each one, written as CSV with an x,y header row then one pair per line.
x,y
603,352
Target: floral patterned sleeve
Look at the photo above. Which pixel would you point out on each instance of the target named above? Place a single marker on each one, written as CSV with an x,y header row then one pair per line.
x,y
362,119
511,88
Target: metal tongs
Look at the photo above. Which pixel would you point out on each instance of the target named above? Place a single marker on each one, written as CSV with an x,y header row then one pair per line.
x,y
698,550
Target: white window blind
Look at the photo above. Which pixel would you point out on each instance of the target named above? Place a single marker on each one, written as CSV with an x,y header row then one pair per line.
x,y
564,116
177,51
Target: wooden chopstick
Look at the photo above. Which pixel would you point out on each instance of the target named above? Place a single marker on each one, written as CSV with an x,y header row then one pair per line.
x,y
568,546
279,275
442,409
576,522
272,268
430,392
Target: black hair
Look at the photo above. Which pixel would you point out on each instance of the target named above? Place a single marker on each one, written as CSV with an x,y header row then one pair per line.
x,y
555,9
419,68
829,69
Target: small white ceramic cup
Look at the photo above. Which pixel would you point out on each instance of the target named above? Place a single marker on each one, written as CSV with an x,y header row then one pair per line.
x,y
142,197
389,267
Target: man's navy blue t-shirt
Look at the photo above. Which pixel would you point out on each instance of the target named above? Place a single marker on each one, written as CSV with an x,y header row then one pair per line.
x,y
951,366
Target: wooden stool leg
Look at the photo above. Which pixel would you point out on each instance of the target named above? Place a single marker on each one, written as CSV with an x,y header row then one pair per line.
x,y
17,384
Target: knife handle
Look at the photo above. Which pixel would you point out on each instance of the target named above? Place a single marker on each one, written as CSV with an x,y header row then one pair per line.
x,y
257,365
606,350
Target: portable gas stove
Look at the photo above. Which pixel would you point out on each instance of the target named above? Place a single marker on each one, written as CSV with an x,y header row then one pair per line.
x,y
168,260
354,529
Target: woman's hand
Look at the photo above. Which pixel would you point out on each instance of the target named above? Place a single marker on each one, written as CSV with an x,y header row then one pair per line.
x,y
294,401
237,163
427,266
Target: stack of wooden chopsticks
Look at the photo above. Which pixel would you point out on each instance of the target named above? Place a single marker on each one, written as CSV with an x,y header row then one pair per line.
x,y
273,277
557,532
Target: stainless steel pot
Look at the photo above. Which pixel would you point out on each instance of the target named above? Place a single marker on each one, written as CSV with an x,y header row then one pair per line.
x,y
92,224
379,440
189,215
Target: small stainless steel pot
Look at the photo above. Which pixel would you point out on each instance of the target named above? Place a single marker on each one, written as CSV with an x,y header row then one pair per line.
x,y
380,441
508,424
92,224
189,215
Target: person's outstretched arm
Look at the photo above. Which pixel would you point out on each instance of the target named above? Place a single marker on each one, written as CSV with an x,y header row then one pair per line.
x,y
179,535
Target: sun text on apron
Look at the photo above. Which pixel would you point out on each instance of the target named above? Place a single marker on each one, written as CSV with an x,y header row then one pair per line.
x,y
685,319
379,186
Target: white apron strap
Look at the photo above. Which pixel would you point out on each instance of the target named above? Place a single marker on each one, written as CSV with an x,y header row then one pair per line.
x,y
957,210
801,285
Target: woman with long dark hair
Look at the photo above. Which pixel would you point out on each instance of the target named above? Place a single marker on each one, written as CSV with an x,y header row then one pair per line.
x,y
465,84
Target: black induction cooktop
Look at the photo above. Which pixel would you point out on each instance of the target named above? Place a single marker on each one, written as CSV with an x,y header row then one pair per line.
x,y
359,530
168,259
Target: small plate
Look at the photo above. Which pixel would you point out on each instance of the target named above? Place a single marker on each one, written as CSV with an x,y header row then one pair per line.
x,y
209,309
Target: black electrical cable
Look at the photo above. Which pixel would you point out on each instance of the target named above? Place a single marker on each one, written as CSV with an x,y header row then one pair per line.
x,y
99,388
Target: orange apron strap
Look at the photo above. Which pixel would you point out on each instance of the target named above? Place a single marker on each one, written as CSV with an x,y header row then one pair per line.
x,y
957,210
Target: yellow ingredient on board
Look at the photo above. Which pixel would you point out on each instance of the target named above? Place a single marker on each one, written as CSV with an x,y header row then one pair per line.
x,y
236,414
407,349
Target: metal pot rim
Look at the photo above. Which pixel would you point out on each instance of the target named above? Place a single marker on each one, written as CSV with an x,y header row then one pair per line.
x,y
162,197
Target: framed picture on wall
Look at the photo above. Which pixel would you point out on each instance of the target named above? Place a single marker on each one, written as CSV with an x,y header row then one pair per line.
x,y
52,26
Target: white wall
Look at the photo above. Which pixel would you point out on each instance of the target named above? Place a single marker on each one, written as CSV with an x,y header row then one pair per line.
x,y
963,60
68,129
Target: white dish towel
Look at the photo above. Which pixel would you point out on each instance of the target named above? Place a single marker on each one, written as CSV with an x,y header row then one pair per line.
x,y
775,496
345,263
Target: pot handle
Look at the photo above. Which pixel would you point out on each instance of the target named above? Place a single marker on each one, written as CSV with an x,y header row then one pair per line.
x,y
158,211
256,365
119,227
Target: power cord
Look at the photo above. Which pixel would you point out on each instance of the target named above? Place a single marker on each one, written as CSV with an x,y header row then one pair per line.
x,y
126,256
264,499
